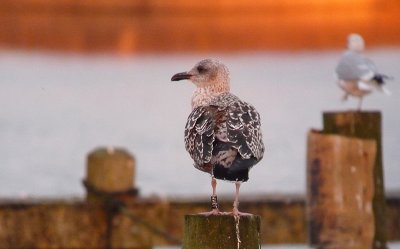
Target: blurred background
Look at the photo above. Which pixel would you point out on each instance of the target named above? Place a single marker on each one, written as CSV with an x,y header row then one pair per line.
x,y
75,75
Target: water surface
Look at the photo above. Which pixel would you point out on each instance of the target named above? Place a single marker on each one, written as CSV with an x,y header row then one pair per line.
x,y
55,108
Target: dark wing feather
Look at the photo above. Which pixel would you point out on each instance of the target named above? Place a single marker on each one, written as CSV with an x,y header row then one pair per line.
x,y
199,136
237,122
244,130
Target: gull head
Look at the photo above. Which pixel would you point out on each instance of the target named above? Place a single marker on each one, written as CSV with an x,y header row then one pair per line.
x,y
355,42
206,73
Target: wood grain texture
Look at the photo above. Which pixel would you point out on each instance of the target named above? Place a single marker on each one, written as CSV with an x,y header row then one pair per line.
x,y
340,191
110,170
365,125
219,232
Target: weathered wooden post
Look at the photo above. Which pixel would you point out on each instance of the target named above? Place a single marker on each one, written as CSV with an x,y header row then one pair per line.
x,y
221,232
109,182
340,191
365,125
345,193
109,172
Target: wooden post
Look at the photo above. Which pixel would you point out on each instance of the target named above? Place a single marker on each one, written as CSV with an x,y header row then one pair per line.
x,y
365,125
109,171
109,180
221,232
339,191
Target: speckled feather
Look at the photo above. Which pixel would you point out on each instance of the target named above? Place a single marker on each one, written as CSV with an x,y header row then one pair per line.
x,y
226,119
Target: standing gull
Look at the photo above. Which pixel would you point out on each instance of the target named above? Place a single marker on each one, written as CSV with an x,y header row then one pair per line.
x,y
222,133
357,74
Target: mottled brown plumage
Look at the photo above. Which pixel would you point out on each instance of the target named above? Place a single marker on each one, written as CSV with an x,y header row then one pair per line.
x,y
222,133
226,126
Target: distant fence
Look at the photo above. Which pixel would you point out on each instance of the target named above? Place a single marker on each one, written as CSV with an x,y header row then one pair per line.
x,y
78,224
129,26
114,215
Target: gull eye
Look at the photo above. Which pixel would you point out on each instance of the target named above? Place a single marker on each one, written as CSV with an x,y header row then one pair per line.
x,y
201,69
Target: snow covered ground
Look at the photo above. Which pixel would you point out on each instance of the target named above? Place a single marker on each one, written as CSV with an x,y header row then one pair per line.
x,y
55,108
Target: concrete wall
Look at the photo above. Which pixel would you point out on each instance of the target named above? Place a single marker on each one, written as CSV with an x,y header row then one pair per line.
x,y
129,26
77,224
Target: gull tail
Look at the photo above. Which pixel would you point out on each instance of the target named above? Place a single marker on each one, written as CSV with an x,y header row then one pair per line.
x,y
381,78
385,91
384,78
387,77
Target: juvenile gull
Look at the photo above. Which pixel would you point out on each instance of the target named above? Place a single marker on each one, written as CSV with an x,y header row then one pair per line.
x,y
357,74
222,133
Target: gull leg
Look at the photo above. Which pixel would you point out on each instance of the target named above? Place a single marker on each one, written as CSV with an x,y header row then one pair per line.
x,y
214,200
360,103
235,211
345,97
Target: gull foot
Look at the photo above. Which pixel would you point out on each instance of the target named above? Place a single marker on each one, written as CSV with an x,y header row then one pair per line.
x,y
237,213
212,212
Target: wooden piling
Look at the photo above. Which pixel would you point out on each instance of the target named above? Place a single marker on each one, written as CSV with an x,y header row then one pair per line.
x,y
110,183
365,125
109,171
221,232
345,193
339,192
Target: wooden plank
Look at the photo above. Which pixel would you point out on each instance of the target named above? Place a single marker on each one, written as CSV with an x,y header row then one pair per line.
x,y
340,191
221,232
366,125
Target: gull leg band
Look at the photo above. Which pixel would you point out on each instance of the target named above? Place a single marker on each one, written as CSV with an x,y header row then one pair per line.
x,y
214,202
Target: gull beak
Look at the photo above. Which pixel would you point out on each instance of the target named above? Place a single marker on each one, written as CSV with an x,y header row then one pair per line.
x,y
181,76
